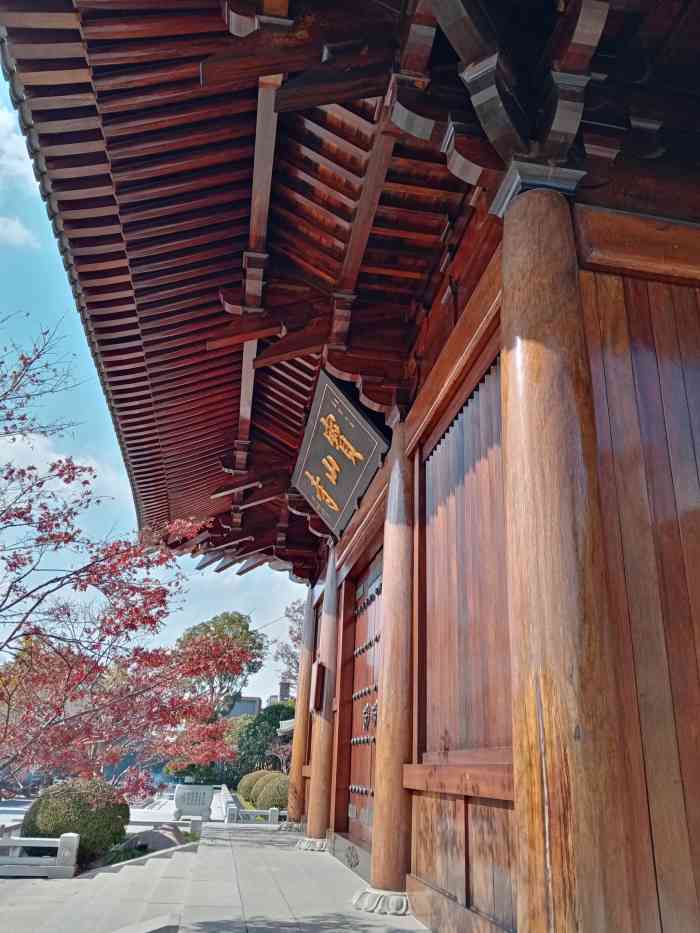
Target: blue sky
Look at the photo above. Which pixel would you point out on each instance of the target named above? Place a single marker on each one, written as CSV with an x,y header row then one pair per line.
x,y
33,282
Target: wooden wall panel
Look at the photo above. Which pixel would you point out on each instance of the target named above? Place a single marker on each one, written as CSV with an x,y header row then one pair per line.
x,y
644,348
467,646
491,846
442,866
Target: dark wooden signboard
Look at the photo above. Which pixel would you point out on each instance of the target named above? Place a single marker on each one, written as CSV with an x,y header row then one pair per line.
x,y
339,455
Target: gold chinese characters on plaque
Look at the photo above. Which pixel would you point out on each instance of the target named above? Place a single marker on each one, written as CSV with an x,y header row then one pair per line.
x,y
340,453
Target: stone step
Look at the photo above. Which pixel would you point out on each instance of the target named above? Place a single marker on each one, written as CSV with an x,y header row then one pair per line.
x,y
212,900
116,897
168,895
163,923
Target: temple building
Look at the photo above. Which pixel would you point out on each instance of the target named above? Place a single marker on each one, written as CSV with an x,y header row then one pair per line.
x,y
401,298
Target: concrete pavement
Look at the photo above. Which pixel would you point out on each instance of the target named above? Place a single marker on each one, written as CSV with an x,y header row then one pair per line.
x,y
238,879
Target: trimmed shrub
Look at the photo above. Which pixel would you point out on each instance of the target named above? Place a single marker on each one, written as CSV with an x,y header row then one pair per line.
x,y
92,808
246,783
260,785
274,794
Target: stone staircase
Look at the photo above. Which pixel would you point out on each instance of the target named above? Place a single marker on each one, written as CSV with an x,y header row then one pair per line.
x,y
147,894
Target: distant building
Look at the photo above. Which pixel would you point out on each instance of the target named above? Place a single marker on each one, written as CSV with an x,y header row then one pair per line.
x,y
246,706
285,691
271,700
286,729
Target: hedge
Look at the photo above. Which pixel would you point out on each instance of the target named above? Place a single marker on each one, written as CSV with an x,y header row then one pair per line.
x,y
260,785
246,783
274,794
92,808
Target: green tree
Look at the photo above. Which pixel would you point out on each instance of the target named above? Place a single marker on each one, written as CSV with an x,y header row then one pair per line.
x,y
287,652
238,626
257,737
238,725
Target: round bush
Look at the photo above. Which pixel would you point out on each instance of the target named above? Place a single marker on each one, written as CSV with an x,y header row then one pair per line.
x,y
274,794
92,808
246,783
260,785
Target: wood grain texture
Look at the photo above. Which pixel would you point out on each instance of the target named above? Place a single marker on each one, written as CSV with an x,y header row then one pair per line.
x,y
340,793
492,856
466,628
366,651
612,241
391,834
474,327
440,912
568,766
479,779
443,866
319,805
642,340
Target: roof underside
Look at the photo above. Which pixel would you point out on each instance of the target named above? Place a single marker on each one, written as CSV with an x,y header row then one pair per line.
x,y
148,164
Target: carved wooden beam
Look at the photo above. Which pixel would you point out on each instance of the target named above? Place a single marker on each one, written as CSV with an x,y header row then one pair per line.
x,y
207,560
459,134
418,35
274,51
259,54
250,328
332,84
363,221
252,479
283,523
254,261
309,340
252,563
268,492
574,42
486,74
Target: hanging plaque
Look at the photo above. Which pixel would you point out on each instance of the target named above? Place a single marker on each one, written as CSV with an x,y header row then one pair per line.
x,y
340,453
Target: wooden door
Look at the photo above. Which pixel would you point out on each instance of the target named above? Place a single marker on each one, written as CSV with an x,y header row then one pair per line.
x,y
365,702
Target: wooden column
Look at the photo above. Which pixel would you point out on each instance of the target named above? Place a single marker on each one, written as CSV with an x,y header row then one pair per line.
x,y
295,806
391,827
319,804
566,731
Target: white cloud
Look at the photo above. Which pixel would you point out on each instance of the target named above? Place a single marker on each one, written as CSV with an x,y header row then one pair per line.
x,y
111,483
15,164
14,233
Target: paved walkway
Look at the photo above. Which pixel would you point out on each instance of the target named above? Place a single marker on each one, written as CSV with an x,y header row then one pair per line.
x,y
277,888
238,879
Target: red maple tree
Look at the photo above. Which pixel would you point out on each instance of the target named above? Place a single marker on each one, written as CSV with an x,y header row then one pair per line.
x,y
78,692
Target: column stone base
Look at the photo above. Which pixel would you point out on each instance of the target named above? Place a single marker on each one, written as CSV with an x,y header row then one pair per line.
x,y
312,845
375,901
289,826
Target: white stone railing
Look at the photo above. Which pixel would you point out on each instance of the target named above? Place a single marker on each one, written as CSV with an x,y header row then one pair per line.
x,y
236,814
60,865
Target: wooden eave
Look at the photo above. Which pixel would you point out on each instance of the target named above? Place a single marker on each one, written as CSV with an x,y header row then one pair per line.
x,y
353,239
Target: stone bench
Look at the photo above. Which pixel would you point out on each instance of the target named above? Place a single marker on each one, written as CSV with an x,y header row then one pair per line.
x,y
60,865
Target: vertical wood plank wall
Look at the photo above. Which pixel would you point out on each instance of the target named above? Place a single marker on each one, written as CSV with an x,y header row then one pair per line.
x,y
463,847
644,349
467,646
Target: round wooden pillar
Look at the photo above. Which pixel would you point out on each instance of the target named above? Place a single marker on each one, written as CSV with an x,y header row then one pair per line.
x,y
319,803
566,732
295,806
391,826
